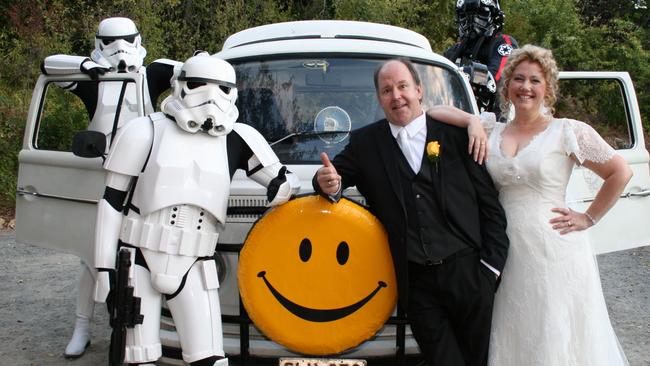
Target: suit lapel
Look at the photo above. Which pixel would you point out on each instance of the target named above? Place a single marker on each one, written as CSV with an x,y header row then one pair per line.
x,y
435,133
385,143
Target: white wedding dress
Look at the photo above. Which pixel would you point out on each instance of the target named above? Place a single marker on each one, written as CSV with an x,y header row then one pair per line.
x,y
549,309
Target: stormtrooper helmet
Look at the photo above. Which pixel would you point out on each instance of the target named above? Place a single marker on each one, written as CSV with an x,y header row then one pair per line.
x,y
478,18
118,45
203,96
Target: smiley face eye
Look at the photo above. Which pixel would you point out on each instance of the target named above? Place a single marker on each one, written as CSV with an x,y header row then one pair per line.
x,y
342,253
305,250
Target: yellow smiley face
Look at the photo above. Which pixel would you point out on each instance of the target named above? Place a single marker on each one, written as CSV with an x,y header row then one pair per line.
x,y
317,277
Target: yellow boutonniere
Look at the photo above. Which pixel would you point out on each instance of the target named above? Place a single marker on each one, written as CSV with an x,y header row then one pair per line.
x,y
433,153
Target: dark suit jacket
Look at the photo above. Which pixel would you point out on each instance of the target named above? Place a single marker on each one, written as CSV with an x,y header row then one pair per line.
x,y
463,188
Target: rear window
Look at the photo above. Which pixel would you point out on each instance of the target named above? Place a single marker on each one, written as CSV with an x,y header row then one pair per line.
x,y
601,104
63,112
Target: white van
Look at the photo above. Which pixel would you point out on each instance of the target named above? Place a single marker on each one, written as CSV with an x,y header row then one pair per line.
x,y
300,84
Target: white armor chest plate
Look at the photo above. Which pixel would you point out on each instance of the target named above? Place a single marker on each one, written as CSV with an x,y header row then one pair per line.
x,y
184,169
108,96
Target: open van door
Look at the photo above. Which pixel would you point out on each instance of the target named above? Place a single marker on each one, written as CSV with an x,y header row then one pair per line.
x,y
607,101
57,191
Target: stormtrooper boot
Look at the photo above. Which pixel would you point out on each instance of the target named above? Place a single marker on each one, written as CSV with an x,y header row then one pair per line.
x,y
80,338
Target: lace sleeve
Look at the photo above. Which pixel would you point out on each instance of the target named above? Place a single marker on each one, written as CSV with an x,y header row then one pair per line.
x,y
585,143
489,121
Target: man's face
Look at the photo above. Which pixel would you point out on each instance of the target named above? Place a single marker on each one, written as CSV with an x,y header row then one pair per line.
x,y
398,94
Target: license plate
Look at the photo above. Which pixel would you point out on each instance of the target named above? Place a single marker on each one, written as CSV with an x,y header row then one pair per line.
x,y
321,362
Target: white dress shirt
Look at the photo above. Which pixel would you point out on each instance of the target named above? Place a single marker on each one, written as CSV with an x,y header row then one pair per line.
x,y
412,144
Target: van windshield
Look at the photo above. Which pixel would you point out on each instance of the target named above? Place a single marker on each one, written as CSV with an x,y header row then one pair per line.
x,y
309,105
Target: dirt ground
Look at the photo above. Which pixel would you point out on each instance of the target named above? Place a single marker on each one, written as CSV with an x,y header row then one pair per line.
x,y
38,287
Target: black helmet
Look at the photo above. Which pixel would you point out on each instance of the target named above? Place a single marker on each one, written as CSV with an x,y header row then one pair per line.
x,y
478,18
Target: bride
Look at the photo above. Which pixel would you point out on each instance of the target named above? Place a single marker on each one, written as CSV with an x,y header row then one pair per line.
x,y
549,309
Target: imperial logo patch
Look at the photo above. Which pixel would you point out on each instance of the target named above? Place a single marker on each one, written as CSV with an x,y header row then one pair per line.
x,y
505,49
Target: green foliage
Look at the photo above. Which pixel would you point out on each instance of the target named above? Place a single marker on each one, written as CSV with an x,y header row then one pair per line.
x,y
583,34
602,35
553,24
63,115
181,27
12,122
434,19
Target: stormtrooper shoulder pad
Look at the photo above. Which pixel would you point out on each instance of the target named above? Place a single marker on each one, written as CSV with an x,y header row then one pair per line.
x,y
131,147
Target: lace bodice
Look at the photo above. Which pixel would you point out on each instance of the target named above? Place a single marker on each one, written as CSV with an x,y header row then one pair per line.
x,y
546,162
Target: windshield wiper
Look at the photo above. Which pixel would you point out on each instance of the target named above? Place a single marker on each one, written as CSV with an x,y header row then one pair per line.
x,y
307,134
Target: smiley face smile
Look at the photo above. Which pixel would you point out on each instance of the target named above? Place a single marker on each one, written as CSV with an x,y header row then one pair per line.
x,y
319,315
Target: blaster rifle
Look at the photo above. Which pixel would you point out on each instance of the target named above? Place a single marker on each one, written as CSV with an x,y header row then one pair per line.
x,y
124,309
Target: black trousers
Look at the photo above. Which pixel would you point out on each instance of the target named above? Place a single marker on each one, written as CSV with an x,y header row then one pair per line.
x,y
450,310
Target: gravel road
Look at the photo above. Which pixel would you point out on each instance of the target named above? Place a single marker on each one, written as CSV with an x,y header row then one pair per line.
x,y
37,309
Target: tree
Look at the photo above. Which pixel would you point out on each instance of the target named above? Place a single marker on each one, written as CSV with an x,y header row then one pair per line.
x,y
583,34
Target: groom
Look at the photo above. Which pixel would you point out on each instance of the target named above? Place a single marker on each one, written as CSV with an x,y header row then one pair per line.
x,y
445,225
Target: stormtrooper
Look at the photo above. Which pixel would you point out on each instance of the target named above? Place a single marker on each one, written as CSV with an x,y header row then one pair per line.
x,y
110,105
481,41
118,49
165,203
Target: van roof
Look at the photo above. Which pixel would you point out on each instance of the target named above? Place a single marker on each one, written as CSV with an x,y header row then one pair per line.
x,y
311,29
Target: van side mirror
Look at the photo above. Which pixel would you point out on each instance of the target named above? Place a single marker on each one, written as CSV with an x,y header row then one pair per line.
x,y
89,144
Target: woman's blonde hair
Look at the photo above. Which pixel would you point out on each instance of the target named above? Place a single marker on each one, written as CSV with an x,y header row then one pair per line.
x,y
544,58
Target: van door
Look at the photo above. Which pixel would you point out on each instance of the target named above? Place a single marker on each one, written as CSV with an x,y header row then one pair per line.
x,y
57,191
607,101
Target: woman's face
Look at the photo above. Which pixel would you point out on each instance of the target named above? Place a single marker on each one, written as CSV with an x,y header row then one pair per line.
x,y
527,87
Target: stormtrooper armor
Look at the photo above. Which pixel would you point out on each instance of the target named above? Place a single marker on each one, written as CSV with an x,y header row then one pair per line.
x,y
117,49
173,170
102,100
